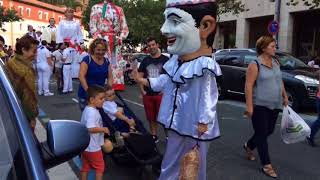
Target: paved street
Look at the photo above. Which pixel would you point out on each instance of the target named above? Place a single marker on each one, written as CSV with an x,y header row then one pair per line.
x,y
226,160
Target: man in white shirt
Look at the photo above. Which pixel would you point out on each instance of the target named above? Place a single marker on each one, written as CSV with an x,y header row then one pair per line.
x,y
49,34
31,32
57,55
69,55
44,68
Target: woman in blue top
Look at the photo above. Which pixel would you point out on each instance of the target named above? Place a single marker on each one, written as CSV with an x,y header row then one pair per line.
x,y
94,69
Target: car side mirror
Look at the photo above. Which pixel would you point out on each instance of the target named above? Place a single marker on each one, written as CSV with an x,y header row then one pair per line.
x,y
65,140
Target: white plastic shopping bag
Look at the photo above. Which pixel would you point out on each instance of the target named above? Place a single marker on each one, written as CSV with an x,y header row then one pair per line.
x,y
293,128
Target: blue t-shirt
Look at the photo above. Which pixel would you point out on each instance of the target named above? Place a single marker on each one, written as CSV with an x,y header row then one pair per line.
x,y
96,74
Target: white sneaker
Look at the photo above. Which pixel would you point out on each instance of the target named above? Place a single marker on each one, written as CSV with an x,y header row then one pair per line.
x,y
48,94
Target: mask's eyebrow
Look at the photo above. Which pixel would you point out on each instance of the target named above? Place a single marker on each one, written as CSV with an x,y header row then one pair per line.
x,y
173,14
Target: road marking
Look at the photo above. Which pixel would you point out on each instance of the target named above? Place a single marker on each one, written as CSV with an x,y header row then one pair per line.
x,y
75,100
132,102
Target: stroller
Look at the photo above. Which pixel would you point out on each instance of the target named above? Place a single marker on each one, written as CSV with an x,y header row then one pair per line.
x,y
139,149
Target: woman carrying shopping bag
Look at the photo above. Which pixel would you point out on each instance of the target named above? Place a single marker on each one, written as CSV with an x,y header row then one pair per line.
x,y
265,97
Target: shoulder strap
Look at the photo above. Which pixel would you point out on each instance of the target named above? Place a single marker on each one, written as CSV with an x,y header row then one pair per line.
x,y
107,62
258,65
276,60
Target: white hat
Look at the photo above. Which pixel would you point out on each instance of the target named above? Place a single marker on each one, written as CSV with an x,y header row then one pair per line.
x,y
173,3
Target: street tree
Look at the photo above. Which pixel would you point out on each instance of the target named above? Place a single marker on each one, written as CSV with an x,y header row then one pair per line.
x,y
8,15
145,17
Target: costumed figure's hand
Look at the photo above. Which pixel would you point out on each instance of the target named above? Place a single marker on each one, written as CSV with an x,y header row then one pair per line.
x,y
135,76
138,79
202,128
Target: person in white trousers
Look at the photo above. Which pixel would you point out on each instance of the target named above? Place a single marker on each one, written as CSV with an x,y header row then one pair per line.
x,y
69,54
44,69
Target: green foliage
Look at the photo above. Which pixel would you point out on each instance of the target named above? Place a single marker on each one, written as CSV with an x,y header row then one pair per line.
x,y
145,17
312,4
231,6
8,15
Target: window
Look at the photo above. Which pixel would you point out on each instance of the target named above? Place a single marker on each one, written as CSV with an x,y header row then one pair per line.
x,y
46,16
234,60
28,12
248,58
12,163
20,26
40,14
60,18
20,10
219,58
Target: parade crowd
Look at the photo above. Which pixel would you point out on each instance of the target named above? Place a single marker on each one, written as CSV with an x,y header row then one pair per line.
x,y
179,92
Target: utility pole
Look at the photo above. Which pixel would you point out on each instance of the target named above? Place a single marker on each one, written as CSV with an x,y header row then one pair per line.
x,y
277,18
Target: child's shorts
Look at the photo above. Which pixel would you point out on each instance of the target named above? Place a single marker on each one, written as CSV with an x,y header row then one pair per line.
x,y
92,160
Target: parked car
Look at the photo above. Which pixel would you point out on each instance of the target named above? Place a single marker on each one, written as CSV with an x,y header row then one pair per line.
x,y
22,156
300,80
138,57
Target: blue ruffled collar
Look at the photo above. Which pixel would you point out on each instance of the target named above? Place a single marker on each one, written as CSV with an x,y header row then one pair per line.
x,y
190,69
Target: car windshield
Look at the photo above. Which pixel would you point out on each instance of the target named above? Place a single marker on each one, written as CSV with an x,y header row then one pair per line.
x,y
139,57
287,61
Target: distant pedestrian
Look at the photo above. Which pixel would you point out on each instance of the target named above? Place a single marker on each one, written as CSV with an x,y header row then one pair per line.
x,y
10,51
69,54
31,32
58,55
44,69
3,55
152,67
39,35
315,62
92,157
22,76
265,97
94,69
49,34
316,124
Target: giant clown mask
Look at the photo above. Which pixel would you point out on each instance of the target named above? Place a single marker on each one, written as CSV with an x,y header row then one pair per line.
x,y
180,28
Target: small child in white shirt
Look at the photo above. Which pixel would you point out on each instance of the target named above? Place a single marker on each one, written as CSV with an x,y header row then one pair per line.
x,y
120,121
92,157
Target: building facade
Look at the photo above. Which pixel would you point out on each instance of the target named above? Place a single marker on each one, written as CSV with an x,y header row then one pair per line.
x,y
299,31
34,13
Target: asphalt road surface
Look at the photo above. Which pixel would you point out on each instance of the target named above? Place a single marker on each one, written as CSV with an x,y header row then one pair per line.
x,y
226,158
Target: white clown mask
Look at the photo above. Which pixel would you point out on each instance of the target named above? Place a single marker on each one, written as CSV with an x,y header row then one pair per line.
x,y
180,29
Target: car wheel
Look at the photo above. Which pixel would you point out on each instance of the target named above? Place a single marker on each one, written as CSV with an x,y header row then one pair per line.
x,y
293,101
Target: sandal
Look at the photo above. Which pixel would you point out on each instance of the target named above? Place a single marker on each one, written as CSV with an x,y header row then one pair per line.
x,y
269,171
250,155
